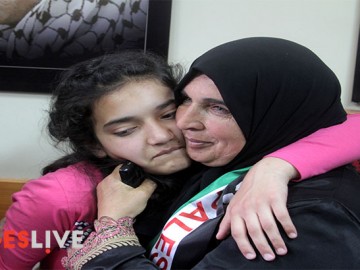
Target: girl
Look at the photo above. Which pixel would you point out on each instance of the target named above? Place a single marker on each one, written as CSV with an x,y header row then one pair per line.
x,y
107,110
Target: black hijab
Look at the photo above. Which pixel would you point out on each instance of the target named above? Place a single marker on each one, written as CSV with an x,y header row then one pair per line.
x,y
278,92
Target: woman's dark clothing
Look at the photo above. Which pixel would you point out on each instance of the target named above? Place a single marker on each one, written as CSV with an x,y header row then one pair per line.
x,y
325,210
278,92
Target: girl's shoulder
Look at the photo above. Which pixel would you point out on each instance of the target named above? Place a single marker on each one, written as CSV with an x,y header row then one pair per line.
x,y
78,174
68,193
67,183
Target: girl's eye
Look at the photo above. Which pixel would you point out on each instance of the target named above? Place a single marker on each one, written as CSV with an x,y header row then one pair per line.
x,y
125,132
170,115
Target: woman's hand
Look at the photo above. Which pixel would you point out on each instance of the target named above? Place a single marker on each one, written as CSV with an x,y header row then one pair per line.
x,y
116,199
253,211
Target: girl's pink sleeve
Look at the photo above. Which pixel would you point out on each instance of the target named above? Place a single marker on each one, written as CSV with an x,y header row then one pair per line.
x,y
325,149
32,210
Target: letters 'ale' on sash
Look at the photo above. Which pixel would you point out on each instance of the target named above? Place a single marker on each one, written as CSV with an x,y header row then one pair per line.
x,y
188,217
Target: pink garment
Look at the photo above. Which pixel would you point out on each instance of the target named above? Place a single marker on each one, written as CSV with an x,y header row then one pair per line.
x,y
60,201
325,149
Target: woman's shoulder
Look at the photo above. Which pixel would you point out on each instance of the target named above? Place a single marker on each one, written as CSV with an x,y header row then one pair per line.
x,y
340,185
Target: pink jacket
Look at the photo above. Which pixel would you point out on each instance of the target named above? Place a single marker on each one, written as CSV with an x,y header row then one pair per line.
x,y
59,201
325,149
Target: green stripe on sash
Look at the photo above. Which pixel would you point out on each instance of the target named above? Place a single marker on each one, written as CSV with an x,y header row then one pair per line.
x,y
223,180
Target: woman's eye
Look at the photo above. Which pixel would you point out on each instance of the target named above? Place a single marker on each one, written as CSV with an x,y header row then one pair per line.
x,y
125,132
220,110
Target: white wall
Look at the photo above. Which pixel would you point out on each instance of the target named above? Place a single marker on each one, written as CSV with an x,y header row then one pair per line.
x,y
24,145
328,27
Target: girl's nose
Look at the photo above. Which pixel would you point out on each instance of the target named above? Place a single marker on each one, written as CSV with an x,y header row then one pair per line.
x,y
159,134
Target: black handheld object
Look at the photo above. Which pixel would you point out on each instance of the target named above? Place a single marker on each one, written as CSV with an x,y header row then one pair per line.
x,y
131,174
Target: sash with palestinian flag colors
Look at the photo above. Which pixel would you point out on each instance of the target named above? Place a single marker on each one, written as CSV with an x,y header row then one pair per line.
x,y
200,208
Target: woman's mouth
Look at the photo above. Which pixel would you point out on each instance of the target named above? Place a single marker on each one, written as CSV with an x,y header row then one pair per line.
x,y
195,143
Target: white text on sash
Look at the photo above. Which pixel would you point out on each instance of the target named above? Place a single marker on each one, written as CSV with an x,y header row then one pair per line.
x,y
181,224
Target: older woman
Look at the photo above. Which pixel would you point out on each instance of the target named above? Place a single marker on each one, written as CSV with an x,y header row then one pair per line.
x,y
239,102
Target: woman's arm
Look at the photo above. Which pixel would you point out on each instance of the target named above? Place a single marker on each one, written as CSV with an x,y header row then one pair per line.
x,y
118,204
113,245
261,200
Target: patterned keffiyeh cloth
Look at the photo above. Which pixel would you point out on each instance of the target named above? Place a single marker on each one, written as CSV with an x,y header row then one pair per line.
x,y
68,28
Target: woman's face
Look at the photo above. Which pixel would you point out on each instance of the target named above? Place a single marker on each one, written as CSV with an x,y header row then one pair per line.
x,y
212,135
137,123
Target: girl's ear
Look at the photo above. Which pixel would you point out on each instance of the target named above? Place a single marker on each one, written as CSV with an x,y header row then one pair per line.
x,y
99,151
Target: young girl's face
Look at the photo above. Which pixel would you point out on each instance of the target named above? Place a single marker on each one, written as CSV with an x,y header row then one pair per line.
x,y
137,123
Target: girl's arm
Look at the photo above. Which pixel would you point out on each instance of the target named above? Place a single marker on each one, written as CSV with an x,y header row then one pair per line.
x,y
325,149
261,200
30,212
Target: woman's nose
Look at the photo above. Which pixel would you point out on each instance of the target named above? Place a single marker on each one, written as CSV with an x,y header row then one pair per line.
x,y
188,117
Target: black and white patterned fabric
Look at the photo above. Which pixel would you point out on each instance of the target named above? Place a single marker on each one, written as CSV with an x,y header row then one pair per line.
x,y
85,227
68,28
